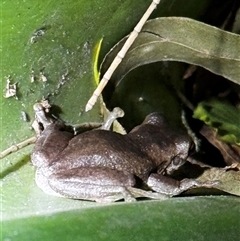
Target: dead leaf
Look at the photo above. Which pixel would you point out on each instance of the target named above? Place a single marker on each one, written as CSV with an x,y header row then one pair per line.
x,y
228,177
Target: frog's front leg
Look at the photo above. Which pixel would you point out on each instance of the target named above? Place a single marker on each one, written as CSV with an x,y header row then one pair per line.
x,y
53,139
40,115
169,186
93,183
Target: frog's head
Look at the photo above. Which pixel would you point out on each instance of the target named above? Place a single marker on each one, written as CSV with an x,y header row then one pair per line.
x,y
164,144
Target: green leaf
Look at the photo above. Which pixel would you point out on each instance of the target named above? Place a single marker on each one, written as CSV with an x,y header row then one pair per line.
x,y
223,117
185,40
196,218
95,62
70,30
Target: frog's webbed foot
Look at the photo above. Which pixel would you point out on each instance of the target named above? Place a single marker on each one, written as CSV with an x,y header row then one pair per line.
x,y
169,186
93,183
117,112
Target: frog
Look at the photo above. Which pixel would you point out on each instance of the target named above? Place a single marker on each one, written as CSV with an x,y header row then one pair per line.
x,y
105,166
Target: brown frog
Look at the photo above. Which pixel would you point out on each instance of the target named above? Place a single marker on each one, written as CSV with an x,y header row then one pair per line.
x,y
104,166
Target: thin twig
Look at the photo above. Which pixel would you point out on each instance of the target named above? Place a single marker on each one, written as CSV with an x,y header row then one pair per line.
x,y
120,55
18,146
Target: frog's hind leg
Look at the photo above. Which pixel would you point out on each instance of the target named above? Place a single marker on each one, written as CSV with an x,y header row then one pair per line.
x,y
41,180
171,187
93,183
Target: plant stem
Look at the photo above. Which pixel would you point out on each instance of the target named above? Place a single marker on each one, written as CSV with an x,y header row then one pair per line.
x,y
18,146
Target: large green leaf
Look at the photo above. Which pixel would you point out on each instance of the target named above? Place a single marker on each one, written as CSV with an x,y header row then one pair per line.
x,y
185,40
72,29
202,218
154,73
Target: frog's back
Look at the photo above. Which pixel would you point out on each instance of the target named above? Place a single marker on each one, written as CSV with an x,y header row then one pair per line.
x,y
106,149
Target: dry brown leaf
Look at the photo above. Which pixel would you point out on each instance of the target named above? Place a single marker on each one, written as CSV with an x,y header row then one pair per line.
x,y
228,177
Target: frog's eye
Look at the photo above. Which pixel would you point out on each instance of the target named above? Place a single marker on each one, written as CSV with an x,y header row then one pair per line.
x,y
175,163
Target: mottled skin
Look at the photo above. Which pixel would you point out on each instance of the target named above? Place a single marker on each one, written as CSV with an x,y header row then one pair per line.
x,y
105,166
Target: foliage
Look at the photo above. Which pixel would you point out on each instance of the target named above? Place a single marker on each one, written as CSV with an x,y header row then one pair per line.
x,y
56,40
